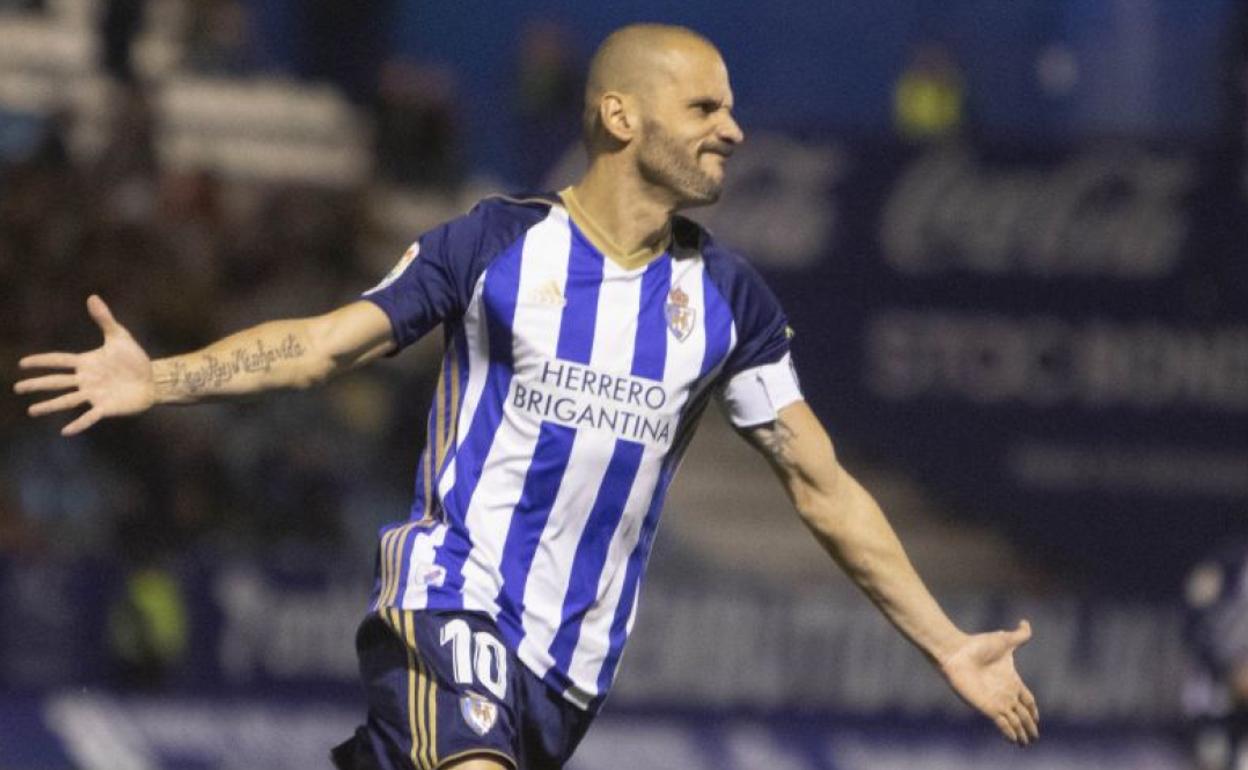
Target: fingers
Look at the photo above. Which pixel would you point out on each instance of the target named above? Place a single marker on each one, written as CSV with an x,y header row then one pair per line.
x,y
84,421
49,361
102,316
1017,726
1029,702
1025,709
48,382
59,404
1030,724
1019,721
1006,728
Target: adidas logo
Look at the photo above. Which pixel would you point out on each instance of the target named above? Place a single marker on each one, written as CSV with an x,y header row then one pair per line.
x,y
549,293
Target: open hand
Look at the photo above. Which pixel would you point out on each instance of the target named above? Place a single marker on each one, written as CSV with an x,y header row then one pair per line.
x,y
114,379
982,673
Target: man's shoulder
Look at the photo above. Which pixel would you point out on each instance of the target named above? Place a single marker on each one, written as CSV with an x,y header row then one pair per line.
x,y
505,211
513,207
495,222
762,328
725,265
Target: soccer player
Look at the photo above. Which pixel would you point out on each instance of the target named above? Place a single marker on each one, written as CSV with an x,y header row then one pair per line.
x,y
585,333
1215,692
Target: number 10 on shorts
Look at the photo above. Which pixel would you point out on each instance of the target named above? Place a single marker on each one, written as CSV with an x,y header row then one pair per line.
x,y
477,653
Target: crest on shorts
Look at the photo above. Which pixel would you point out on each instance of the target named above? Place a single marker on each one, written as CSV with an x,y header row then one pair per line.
x,y
680,317
479,712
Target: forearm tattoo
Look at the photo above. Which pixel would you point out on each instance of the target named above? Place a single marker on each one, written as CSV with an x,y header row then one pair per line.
x,y
212,372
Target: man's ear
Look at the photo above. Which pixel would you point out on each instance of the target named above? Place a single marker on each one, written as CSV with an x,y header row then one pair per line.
x,y
616,112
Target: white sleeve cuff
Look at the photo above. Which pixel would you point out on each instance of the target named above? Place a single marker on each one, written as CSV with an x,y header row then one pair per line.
x,y
756,396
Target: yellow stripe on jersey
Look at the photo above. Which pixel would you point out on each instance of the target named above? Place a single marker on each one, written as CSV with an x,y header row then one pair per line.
x,y
440,422
445,431
454,432
427,470
432,439
392,568
386,568
392,563
438,445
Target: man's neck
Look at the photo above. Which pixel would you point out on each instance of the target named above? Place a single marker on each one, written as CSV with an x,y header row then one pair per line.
x,y
624,209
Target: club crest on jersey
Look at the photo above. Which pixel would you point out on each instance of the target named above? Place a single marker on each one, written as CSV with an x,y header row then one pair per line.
x,y
479,712
680,317
398,269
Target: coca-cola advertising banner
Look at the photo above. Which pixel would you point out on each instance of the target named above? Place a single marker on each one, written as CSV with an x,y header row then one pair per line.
x,y
1054,340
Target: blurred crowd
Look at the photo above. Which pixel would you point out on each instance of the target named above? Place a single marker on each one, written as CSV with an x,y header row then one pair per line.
x,y
184,257
184,254
181,268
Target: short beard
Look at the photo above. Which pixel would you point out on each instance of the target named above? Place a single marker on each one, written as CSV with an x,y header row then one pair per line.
x,y
663,162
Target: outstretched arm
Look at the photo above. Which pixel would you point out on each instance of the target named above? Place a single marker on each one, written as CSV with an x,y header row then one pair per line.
x,y
848,523
118,378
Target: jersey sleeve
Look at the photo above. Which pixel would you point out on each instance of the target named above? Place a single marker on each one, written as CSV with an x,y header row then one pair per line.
x,y
434,280
756,395
759,377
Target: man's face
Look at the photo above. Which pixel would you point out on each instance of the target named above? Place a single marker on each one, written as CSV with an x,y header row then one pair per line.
x,y
687,130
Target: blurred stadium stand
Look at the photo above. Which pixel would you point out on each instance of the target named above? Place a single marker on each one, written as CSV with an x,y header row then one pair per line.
x,y
1026,324
259,129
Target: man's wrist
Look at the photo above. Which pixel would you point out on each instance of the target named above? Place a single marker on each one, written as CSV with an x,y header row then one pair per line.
x,y
948,645
166,377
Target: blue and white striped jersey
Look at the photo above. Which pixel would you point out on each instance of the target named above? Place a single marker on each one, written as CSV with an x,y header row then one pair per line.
x,y
571,384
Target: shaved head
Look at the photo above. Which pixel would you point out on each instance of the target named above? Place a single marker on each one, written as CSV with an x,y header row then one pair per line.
x,y
658,113
632,61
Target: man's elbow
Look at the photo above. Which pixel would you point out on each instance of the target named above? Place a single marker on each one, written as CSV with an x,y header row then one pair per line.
x,y
311,375
328,354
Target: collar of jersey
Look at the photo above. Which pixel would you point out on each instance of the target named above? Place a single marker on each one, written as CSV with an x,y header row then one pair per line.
x,y
599,239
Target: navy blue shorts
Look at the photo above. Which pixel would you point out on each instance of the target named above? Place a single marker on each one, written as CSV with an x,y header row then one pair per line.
x,y
442,687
